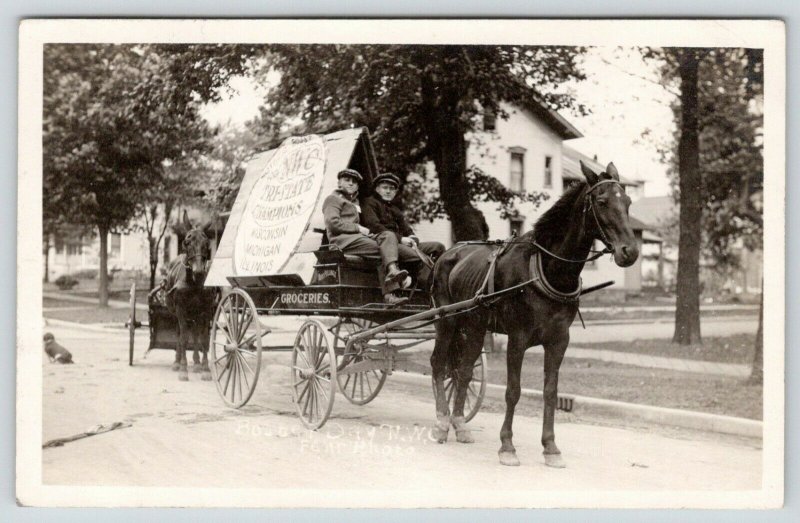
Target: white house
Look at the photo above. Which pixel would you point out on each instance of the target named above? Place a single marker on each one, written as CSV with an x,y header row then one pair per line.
x,y
527,151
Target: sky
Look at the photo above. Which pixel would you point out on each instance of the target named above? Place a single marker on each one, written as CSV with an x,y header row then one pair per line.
x,y
623,93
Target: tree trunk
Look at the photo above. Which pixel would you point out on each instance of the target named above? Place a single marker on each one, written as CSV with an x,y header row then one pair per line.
x,y
46,253
448,149
687,311
450,160
757,372
103,273
153,260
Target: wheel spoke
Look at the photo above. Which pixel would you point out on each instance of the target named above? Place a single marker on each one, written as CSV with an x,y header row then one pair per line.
x,y
369,384
304,391
308,397
241,375
224,356
228,380
246,324
305,360
244,363
244,374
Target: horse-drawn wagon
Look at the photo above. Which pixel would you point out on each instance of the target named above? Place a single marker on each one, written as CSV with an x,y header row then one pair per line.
x,y
273,260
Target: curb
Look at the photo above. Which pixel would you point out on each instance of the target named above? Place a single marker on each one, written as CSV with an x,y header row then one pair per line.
x,y
112,328
619,409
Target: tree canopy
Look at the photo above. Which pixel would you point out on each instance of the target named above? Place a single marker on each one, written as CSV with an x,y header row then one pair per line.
x,y
114,116
419,101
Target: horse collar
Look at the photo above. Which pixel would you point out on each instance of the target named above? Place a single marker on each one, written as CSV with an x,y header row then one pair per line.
x,y
540,283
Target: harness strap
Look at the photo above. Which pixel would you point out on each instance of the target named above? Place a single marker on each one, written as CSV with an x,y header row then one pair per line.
x,y
541,284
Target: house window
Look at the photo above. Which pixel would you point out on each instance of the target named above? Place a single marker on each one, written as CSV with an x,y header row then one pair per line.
x,y
516,226
489,120
517,180
115,245
167,253
59,246
74,249
548,171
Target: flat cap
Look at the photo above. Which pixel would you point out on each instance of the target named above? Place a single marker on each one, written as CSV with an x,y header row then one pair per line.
x,y
386,177
351,173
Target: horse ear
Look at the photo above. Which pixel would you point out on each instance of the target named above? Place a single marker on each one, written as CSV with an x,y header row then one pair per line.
x,y
590,175
186,222
611,170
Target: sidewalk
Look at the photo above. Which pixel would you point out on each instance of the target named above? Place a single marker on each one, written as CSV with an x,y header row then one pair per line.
x,y
115,304
657,362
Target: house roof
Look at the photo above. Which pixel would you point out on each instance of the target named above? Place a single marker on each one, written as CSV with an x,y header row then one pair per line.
x,y
654,210
571,167
555,121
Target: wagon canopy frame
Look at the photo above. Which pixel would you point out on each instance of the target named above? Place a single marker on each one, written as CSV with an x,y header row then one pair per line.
x,y
350,148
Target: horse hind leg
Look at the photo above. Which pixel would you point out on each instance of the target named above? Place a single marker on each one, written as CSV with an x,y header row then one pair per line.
x,y
470,344
445,338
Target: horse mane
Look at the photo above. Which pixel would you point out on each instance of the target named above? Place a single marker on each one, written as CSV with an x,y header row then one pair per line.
x,y
550,226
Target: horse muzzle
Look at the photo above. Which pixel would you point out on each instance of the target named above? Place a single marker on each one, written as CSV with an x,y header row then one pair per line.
x,y
626,255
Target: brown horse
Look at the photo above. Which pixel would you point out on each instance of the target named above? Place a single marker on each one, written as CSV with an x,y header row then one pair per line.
x,y
190,301
539,313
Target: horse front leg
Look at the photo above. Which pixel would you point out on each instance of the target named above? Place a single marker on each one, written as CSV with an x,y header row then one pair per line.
x,y
553,356
445,336
196,345
205,335
515,352
183,338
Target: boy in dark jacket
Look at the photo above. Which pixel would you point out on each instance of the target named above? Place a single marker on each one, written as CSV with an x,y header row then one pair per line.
x,y
381,215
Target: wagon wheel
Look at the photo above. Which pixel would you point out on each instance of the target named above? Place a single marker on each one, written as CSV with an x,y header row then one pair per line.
x,y
236,348
313,374
132,323
362,387
475,391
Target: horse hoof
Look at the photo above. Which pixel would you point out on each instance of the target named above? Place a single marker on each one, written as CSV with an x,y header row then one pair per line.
x,y
183,375
508,458
440,435
197,368
206,376
555,461
464,436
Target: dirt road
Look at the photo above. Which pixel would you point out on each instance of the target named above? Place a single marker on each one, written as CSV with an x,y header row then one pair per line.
x,y
182,435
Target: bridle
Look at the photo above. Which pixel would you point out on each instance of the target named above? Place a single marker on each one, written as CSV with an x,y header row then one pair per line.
x,y
589,204
190,255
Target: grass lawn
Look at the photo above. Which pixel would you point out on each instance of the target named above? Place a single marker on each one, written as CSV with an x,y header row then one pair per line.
x,y
87,313
738,348
662,388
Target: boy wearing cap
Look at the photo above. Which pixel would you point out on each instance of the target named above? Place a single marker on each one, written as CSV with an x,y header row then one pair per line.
x,y
342,212
382,215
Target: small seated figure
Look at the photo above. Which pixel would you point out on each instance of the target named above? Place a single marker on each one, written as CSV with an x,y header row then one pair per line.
x,y
54,351
382,214
342,212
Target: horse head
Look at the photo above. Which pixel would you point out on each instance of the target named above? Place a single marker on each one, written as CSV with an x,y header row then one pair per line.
x,y
606,214
197,249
